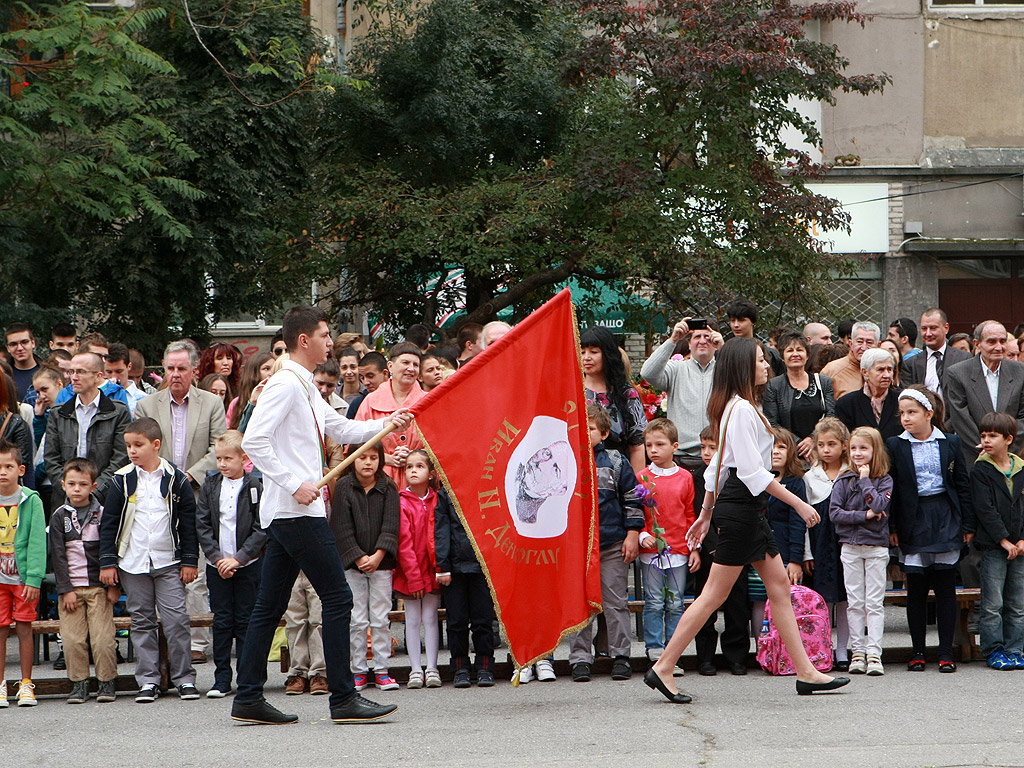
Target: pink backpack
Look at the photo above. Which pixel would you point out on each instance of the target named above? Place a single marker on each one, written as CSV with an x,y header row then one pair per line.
x,y
812,619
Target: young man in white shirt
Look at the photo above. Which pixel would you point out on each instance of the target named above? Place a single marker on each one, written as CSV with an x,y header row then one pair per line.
x,y
284,439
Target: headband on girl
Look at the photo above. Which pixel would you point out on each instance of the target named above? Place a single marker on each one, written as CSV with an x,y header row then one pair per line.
x,y
913,394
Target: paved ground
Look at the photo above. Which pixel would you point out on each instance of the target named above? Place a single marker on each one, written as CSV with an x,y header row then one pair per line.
x,y
903,719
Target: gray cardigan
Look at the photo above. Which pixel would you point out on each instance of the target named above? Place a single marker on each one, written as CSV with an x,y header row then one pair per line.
x,y
779,396
688,389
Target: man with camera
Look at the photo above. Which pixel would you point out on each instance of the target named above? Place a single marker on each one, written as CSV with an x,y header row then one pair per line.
x,y
687,384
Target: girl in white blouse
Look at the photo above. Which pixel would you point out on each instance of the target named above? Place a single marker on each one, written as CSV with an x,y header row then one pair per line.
x,y
739,480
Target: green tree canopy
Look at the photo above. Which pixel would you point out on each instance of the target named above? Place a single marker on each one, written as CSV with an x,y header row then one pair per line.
x,y
524,142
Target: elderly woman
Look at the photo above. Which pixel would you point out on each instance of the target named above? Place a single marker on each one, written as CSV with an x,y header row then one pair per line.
x,y
797,400
877,404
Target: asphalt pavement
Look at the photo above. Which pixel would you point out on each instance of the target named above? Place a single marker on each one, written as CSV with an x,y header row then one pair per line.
x,y
971,718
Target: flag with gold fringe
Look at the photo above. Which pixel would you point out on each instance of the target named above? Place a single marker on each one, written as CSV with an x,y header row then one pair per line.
x,y
508,437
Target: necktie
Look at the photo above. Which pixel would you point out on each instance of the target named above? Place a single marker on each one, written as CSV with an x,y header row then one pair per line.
x,y
938,366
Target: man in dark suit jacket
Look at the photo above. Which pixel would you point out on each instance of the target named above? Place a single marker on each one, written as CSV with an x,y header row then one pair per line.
x,y
970,386
923,368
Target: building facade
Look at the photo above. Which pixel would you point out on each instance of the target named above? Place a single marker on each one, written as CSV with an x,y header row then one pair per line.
x,y
946,142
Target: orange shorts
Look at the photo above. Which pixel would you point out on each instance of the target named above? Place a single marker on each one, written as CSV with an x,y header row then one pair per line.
x,y
14,607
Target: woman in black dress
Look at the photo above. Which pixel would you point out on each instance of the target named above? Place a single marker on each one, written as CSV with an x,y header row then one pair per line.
x,y
740,477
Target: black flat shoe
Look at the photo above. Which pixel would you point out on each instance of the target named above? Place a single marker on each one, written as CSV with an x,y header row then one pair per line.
x,y
707,669
805,689
737,668
652,681
260,712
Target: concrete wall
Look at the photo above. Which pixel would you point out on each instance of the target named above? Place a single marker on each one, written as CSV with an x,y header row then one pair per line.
x,y
973,82
990,210
886,128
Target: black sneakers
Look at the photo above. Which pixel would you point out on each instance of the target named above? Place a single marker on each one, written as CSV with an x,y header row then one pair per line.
x,y
621,669
79,692
260,712
581,672
359,710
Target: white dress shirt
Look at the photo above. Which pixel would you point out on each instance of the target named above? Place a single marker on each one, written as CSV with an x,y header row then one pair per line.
x,y
931,375
282,441
992,382
150,544
748,448
85,414
229,515
179,432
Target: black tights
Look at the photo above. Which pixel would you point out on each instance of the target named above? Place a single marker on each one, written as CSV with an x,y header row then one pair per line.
x,y
943,583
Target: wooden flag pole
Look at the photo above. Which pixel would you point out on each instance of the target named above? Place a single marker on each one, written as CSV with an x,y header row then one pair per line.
x,y
388,429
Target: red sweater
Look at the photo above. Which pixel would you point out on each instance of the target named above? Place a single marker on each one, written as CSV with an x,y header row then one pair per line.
x,y
674,495
416,559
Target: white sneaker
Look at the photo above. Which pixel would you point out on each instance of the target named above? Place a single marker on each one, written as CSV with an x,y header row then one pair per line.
x,y
858,664
875,667
416,679
526,675
545,671
433,678
4,703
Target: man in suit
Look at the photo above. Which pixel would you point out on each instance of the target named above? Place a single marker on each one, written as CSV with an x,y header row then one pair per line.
x,y
973,388
982,385
191,420
932,367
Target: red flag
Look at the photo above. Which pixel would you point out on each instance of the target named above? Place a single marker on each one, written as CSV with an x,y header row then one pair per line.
x,y
508,435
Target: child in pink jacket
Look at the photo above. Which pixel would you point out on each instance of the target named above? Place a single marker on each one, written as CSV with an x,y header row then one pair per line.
x,y
414,578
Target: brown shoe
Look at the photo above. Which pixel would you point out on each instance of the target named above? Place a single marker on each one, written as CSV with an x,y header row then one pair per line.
x,y
318,685
295,685
198,657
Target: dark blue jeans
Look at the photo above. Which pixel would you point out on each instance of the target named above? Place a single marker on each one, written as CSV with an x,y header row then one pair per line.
x,y
294,544
232,601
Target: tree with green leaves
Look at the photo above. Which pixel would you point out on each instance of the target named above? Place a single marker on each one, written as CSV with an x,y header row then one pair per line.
x,y
161,161
82,150
521,143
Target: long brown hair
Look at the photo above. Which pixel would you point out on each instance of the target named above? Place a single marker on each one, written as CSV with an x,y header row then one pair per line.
x,y
794,464
250,378
735,374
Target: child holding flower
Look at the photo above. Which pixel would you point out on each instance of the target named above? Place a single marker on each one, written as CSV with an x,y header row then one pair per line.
x,y
666,491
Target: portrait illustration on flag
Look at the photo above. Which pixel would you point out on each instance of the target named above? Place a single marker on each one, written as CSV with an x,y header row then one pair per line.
x,y
508,436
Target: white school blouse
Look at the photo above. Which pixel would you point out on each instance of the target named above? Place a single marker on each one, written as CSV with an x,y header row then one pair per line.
x,y
748,447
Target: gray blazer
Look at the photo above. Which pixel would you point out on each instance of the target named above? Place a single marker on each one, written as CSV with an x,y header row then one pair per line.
x,y
913,371
205,424
967,401
779,396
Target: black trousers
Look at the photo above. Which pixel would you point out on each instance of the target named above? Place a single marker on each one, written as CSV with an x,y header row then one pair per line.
x,y
232,601
736,609
468,605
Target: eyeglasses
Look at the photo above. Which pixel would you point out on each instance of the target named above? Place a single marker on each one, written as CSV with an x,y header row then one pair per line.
x,y
80,371
278,352
19,343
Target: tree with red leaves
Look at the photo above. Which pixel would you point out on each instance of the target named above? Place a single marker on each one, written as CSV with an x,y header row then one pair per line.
x,y
634,143
695,96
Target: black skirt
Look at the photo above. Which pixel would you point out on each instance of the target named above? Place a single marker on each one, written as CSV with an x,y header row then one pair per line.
x,y
744,535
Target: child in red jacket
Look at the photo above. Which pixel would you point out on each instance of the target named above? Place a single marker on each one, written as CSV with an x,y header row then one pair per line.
x,y
665,558
414,578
